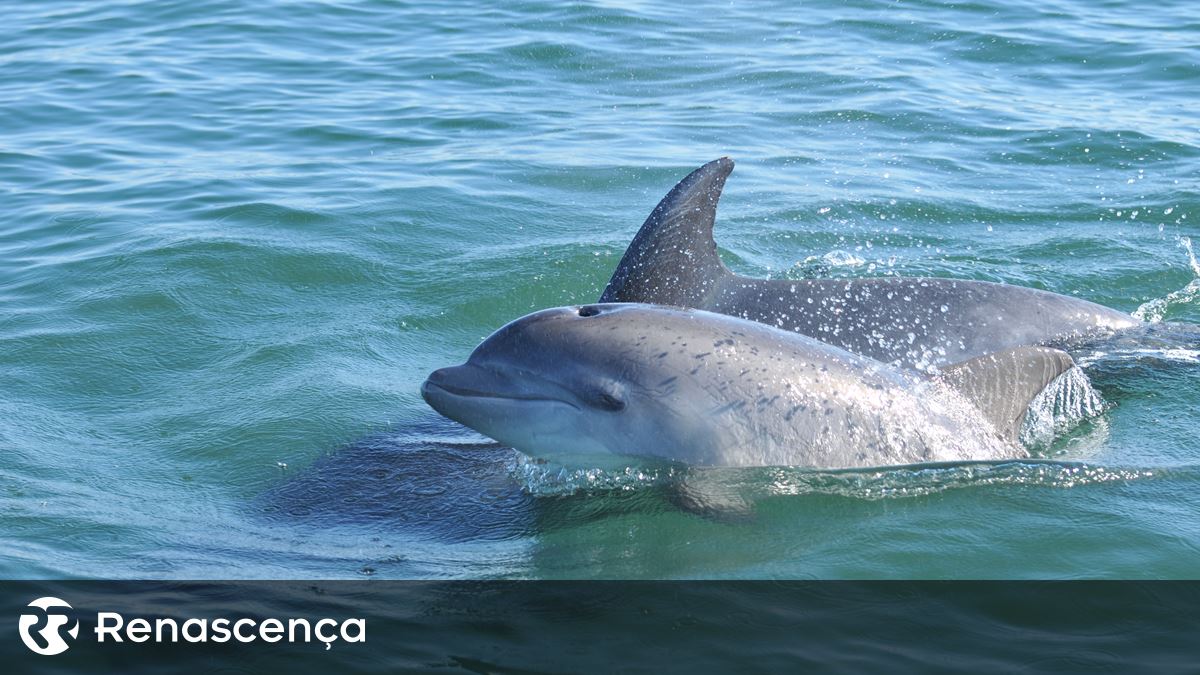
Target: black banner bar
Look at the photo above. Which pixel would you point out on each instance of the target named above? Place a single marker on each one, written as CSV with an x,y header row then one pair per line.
x,y
601,627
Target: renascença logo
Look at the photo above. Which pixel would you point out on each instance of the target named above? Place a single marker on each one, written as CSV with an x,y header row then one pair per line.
x,y
51,634
113,627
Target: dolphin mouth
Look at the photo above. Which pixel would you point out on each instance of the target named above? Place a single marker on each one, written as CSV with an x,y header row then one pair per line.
x,y
464,392
448,381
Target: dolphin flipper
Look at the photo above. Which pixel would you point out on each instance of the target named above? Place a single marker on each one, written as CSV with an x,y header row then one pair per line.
x,y
673,259
1003,384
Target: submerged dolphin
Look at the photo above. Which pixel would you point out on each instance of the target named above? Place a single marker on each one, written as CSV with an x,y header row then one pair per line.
x,y
914,322
592,386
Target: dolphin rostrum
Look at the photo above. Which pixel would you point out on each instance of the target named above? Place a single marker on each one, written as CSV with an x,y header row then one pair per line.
x,y
914,322
597,385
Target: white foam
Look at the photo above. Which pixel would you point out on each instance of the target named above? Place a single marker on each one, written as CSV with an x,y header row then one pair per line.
x,y
1177,354
1154,310
1063,404
835,258
546,479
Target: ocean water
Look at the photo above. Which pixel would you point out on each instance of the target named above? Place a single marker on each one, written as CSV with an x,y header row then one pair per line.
x,y
235,237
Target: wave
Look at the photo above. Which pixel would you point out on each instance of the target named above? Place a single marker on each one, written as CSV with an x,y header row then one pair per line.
x,y
752,484
1068,401
1155,310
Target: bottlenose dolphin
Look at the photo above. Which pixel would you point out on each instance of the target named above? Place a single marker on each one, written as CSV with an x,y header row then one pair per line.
x,y
914,322
593,386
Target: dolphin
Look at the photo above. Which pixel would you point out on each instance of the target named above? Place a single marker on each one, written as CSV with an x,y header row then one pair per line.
x,y
915,322
607,385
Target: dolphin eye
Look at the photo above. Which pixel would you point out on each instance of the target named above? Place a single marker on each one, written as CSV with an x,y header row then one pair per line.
x,y
606,400
609,402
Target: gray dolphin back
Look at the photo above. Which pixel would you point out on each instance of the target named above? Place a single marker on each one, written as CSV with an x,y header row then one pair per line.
x,y
673,259
913,322
1003,384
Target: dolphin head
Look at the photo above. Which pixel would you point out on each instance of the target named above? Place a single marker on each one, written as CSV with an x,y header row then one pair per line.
x,y
575,385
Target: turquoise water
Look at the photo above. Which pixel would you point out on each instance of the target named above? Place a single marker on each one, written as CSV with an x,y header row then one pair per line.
x,y
234,238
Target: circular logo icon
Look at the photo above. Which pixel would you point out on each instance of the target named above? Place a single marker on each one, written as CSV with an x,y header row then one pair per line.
x,y
48,639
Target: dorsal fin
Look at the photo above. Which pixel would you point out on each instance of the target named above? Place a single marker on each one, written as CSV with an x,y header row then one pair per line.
x,y
673,259
1003,384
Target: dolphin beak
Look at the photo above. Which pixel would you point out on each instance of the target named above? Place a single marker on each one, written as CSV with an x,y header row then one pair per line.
x,y
450,390
443,395
468,381
438,376
443,382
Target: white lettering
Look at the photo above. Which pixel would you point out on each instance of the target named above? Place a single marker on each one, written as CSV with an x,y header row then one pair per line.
x,y
328,640
292,623
112,626
202,636
271,630
103,629
166,623
360,624
220,629
138,630
237,630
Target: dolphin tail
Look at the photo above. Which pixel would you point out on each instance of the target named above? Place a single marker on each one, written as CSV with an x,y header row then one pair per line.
x,y
673,259
1003,384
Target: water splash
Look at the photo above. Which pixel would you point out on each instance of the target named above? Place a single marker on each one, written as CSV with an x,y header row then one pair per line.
x,y
543,479
1169,354
1155,310
839,258
921,480
1066,402
896,482
836,262
1162,344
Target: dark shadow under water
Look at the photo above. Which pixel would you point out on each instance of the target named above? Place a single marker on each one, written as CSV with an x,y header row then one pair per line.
x,y
427,479
434,480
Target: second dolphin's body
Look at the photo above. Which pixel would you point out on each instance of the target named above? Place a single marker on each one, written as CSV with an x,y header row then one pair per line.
x,y
920,323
